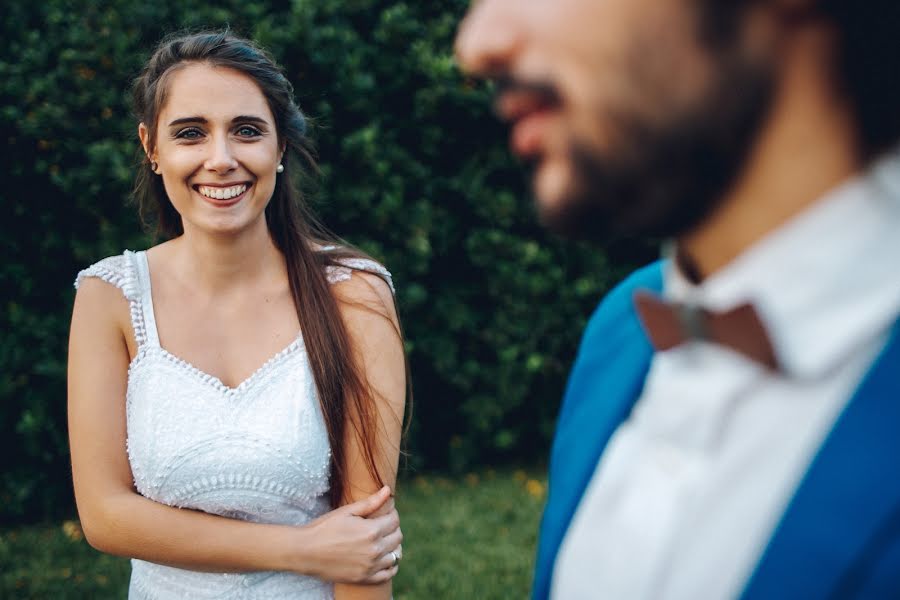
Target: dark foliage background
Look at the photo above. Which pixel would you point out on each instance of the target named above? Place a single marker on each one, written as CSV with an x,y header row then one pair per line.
x,y
416,172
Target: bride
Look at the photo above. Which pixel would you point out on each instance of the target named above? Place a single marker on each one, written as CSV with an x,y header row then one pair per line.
x,y
236,393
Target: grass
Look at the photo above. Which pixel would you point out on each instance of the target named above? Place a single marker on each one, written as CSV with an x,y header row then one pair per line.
x,y
468,538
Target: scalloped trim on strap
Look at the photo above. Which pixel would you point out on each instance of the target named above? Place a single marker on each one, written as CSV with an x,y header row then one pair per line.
x,y
120,271
343,272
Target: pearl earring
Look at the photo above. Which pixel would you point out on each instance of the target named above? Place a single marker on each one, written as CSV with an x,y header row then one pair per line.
x,y
279,168
154,165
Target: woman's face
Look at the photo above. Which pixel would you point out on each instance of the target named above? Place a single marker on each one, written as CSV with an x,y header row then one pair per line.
x,y
217,149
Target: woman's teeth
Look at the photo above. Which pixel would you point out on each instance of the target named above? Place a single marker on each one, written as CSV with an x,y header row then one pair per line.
x,y
218,193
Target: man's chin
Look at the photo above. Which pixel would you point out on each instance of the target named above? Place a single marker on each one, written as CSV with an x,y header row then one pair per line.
x,y
553,191
563,204
551,180
571,218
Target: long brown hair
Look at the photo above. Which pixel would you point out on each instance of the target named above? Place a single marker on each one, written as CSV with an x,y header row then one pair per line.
x,y
343,394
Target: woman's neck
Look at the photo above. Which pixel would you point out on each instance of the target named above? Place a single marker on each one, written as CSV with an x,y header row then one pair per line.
x,y
219,262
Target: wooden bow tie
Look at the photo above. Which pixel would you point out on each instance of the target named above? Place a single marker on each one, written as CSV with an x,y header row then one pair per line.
x,y
670,324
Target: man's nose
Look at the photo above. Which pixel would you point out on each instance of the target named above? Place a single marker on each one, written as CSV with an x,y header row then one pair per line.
x,y
488,37
221,158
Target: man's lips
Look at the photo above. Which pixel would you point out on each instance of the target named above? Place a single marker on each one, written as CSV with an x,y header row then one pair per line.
x,y
512,106
529,114
529,132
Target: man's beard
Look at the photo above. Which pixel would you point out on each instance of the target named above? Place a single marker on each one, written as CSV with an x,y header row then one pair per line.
x,y
664,180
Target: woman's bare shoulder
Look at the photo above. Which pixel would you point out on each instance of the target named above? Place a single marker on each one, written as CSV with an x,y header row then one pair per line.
x,y
105,293
359,289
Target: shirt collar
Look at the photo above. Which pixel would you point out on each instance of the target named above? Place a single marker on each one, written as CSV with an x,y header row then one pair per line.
x,y
825,282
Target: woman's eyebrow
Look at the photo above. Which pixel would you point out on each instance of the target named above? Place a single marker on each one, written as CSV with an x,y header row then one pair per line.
x,y
250,119
203,120
183,120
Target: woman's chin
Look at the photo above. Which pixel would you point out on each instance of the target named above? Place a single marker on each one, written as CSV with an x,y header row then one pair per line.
x,y
226,225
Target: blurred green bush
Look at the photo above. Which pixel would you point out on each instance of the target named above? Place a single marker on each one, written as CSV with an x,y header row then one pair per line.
x,y
416,172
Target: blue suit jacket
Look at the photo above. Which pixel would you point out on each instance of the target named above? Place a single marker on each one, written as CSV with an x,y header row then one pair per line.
x,y
839,536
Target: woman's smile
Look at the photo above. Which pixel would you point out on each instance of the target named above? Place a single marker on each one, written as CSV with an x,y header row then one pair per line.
x,y
223,195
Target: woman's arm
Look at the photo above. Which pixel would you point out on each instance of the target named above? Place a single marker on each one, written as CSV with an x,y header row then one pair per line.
x,y
118,520
367,308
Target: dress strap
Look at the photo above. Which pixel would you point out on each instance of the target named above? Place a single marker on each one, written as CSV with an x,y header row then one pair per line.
x,y
150,335
121,271
344,270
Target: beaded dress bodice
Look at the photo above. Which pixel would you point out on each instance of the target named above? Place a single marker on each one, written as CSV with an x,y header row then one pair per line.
x,y
256,452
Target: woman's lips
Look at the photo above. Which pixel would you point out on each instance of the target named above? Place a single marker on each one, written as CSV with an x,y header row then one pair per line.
x,y
222,202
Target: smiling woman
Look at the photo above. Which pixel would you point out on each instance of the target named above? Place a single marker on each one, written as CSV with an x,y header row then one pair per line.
x,y
236,393
216,147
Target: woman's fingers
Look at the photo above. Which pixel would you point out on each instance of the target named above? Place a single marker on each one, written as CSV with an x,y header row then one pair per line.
x,y
371,504
387,561
392,542
385,508
353,544
386,524
383,575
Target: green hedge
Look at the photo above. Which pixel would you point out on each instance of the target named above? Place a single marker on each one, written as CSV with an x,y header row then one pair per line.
x,y
416,171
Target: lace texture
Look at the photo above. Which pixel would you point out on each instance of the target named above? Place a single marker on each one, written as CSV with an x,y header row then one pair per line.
x,y
343,272
257,452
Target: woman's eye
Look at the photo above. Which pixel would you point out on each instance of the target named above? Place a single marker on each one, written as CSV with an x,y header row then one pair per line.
x,y
191,133
247,131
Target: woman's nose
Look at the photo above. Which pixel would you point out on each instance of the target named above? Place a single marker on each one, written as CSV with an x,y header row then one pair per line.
x,y
221,158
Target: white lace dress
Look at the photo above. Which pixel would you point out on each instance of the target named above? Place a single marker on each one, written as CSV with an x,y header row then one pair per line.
x,y
256,452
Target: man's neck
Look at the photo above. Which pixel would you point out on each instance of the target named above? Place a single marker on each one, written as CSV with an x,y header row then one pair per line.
x,y
808,145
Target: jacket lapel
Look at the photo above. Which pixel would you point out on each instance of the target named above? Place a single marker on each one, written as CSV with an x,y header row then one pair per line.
x,y
848,495
606,381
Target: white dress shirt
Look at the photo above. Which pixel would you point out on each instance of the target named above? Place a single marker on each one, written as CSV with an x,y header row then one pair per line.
x,y
691,486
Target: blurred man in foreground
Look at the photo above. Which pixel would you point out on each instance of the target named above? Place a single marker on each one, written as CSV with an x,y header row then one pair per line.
x,y
731,426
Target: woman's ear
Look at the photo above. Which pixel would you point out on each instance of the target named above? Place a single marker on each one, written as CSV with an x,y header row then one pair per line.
x,y
144,135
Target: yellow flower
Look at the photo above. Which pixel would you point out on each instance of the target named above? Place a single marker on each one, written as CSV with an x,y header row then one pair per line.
x,y
535,488
73,531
